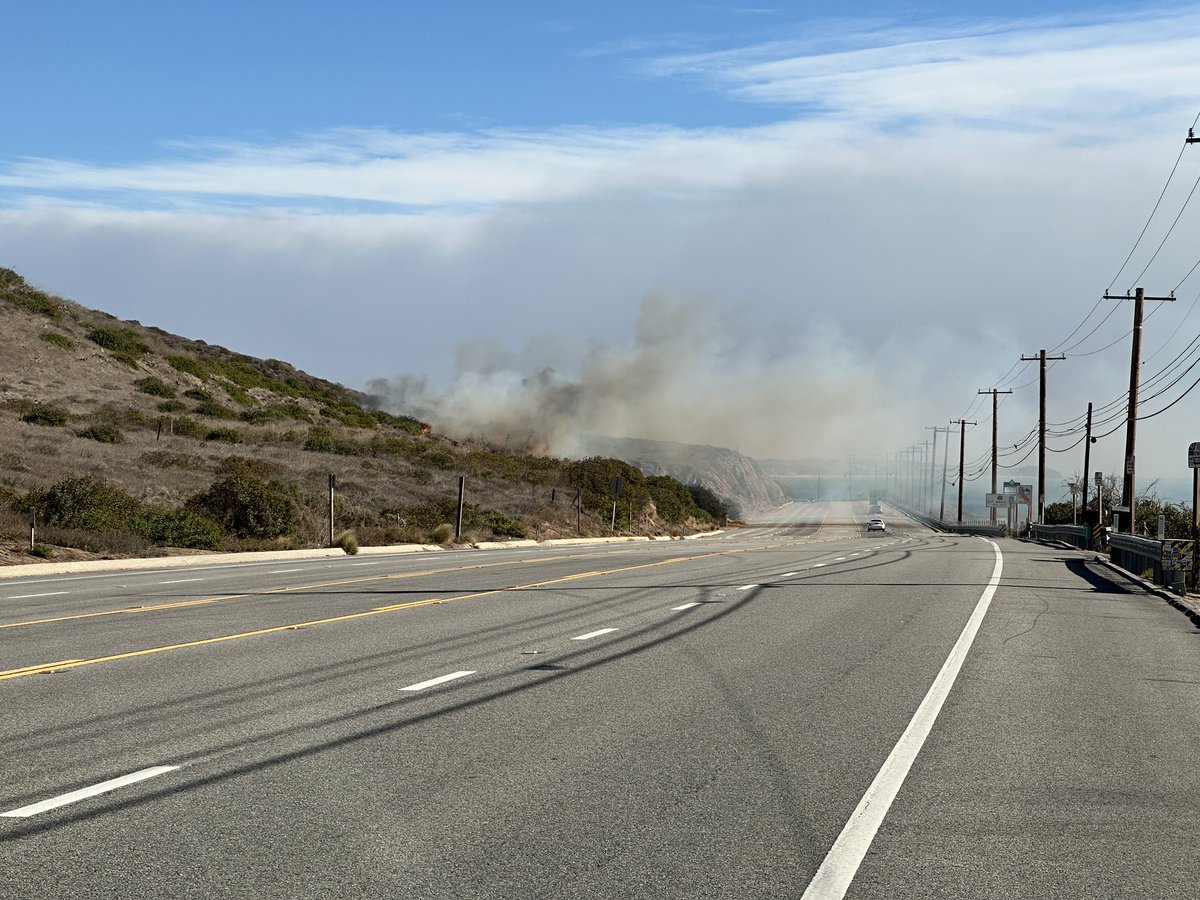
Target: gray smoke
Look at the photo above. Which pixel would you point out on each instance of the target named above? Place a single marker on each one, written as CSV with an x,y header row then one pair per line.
x,y
691,373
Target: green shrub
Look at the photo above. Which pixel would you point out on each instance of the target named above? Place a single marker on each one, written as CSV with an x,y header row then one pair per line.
x,y
249,467
172,406
58,340
189,364
186,426
238,394
350,414
45,414
443,533
89,503
348,541
672,499
500,524
41,551
276,412
105,434
248,506
225,435
14,289
198,394
710,502
326,440
180,528
214,410
123,344
154,386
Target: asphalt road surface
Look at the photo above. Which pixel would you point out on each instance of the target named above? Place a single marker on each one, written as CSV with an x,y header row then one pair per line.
x,y
796,709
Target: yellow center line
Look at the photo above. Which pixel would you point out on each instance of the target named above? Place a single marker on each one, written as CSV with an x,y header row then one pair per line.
x,y
77,663
203,601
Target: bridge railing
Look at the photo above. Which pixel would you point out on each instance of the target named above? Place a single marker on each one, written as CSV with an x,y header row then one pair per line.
x,y
1075,535
1166,562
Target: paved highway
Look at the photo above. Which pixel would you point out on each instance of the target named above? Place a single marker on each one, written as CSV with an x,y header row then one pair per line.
x,y
795,709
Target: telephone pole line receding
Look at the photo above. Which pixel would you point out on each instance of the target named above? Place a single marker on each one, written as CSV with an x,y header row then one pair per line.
x,y
962,453
1041,504
1135,363
933,463
995,432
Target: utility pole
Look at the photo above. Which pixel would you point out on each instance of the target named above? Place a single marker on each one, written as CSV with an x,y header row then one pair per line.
x,y
945,460
962,455
995,434
1135,364
1041,497
936,429
1087,475
924,490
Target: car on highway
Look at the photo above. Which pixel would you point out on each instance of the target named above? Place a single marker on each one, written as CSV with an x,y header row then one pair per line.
x,y
876,525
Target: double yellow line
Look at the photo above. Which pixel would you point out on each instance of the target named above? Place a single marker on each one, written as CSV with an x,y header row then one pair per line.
x,y
63,665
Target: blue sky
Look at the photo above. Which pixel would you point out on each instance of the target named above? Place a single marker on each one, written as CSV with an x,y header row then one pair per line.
x,y
460,198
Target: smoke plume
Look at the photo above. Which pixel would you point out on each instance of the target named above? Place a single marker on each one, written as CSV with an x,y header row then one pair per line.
x,y
691,373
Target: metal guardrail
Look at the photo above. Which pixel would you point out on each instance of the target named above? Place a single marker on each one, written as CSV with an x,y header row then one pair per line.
x,y
1075,535
1166,562
971,526
1139,555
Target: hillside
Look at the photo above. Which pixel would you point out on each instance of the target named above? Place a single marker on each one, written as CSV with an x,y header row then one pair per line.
x,y
736,479
130,440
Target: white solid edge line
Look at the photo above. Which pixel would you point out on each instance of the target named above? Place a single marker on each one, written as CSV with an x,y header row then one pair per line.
x,y
83,793
685,606
841,863
592,634
441,679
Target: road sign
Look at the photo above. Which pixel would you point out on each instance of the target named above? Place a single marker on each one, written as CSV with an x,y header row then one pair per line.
x,y
1012,487
615,486
1100,478
999,501
1177,555
1194,456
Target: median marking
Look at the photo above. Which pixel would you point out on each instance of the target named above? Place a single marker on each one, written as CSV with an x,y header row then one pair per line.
x,y
592,634
103,787
841,864
441,679
329,620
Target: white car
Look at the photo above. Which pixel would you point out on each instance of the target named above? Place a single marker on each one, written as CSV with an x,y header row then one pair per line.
x,y
876,525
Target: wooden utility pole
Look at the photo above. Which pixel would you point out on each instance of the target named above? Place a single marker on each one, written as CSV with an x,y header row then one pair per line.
x,y
1127,515
1087,475
1041,496
945,461
962,455
995,435
933,463
332,485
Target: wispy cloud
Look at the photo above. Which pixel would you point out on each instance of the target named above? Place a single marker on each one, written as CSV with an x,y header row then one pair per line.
x,y
1070,80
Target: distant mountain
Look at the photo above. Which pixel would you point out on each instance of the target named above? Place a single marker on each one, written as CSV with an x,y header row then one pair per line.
x,y
735,478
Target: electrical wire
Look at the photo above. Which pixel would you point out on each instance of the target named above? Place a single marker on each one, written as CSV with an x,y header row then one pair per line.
x,y
1157,203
